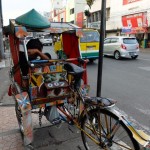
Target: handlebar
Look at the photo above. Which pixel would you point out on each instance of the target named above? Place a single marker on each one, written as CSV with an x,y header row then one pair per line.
x,y
80,60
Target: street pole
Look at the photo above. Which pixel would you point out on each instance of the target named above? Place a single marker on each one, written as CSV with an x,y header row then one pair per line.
x,y
101,47
1,33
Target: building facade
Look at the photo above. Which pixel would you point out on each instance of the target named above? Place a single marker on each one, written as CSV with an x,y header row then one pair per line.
x,y
123,17
70,11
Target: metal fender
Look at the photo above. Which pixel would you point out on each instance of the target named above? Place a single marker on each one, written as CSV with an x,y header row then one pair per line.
x,y
24,103
142,138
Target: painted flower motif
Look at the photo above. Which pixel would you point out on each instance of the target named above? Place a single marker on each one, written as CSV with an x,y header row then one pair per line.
x,y
23,101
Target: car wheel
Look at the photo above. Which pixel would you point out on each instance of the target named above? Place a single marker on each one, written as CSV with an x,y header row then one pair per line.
x,y
134,57
117,55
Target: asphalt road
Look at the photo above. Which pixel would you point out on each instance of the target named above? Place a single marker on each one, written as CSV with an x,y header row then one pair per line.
x,y
127,81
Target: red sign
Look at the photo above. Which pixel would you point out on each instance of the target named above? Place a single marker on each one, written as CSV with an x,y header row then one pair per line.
x,y
135,22
125,2
79,19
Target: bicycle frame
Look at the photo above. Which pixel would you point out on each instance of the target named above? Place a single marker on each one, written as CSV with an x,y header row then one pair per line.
x,y
142,138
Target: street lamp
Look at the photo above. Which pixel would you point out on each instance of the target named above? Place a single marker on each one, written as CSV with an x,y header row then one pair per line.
x,y
101,47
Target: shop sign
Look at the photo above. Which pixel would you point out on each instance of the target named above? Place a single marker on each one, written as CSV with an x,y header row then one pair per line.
x,y
126,30
79,19
136,22
125,2
95,25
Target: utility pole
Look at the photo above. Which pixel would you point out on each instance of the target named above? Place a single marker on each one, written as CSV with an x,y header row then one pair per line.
x,y
1,33
101,47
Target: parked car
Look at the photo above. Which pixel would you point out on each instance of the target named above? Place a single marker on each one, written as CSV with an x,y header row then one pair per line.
x,y
120,46
46,40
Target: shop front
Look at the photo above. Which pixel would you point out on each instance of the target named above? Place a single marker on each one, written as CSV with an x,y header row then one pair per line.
x,y
136,25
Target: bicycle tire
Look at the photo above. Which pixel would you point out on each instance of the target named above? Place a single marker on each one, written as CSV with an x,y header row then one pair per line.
x,y
122,137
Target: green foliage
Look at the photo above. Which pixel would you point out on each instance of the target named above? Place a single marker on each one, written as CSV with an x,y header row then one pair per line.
x,y
90,2
87,13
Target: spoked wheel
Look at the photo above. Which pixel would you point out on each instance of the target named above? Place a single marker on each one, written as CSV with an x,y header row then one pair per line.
x,y
117,55
19,118
107,130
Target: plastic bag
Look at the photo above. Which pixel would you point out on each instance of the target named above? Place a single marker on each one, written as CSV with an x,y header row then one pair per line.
x,y
52,114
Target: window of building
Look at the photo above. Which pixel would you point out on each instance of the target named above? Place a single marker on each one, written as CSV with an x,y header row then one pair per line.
x,y
72,11
96,16
107,14
72,21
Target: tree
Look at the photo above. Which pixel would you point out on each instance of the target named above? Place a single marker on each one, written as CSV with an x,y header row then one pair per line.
x,y
87,14
90,2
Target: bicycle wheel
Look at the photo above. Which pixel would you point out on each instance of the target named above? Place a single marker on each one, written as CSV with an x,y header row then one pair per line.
x,y
108,130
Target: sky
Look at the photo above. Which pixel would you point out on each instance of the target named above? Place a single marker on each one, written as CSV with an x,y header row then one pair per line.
x,y
12,9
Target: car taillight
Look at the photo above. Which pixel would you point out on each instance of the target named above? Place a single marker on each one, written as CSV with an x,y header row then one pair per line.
x,y
137,47
123,46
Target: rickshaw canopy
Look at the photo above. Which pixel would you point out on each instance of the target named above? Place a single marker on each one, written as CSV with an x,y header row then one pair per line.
x,y
33,19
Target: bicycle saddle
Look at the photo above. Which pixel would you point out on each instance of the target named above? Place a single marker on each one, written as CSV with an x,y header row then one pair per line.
x,y
73,69
104,102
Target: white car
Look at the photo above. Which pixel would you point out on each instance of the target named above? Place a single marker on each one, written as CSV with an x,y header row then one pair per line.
x,y
120,46
46,40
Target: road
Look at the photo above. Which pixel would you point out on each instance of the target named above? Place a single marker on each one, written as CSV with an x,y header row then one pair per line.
x,y
127,81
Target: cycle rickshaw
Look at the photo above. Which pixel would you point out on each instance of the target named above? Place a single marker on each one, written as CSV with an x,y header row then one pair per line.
x,y
63,83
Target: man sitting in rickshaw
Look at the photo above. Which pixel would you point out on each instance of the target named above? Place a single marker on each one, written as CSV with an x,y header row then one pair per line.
x,y
34,48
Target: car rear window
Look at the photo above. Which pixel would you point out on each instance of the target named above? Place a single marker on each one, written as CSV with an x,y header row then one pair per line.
x,y
129,41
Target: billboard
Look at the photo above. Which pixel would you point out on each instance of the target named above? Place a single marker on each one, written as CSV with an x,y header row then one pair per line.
x,y
79,19
125,2
135,22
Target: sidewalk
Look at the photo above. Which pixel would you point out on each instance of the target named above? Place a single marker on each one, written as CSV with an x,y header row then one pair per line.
x,y
53,137
146,50
6,61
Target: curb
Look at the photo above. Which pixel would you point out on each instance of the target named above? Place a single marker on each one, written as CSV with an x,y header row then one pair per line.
x,y
4,63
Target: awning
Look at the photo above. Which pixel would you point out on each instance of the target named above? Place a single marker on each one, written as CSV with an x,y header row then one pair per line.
x,y
59,27
134,30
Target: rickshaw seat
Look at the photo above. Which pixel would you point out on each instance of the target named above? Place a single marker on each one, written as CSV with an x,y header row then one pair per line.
x,y
73,69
